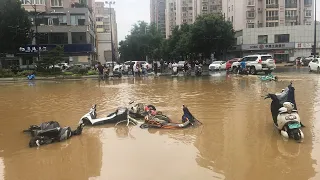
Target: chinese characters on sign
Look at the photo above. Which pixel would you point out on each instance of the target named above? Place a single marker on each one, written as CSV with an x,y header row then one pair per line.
x,y
32,49
305,45
267,46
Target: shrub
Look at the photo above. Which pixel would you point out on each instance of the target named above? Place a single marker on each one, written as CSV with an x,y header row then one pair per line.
x,y
6,73
68,73
25,73
78,70
92,72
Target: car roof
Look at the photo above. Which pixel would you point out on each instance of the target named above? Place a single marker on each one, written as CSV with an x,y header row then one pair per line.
x,y
258,55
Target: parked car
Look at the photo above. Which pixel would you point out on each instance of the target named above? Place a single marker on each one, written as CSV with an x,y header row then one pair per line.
x,y
215,66
229,63
143,63
257,63
314,65
181,65
304,61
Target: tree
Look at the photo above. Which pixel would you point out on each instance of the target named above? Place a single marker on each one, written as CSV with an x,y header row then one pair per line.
x,y
211,33
53,57
144,40
14,26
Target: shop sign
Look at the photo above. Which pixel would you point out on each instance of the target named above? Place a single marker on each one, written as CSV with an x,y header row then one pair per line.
x,y
32,49
305,45
267,46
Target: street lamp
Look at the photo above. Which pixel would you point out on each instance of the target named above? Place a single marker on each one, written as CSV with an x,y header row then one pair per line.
x,y
34,6
112,48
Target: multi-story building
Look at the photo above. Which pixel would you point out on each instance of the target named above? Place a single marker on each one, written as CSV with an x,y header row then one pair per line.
x,y
61,22
157,15
186,11
270,13
106,20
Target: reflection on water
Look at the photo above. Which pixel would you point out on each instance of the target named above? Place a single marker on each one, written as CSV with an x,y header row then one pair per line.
x,y
236,142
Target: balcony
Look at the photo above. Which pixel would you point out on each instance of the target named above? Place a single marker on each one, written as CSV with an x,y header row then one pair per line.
x,y
292,18
272,5
30,8
272,18
291,6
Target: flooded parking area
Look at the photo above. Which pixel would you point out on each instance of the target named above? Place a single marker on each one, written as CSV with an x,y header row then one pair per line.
x,y
237,140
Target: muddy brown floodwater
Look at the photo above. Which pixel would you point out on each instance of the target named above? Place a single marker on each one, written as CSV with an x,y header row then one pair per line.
x,y
236,142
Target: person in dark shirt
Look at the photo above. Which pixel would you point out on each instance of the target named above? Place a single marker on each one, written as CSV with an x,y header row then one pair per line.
x,y
100,69
155,68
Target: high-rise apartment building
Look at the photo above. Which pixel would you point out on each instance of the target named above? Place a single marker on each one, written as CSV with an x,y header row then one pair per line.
x,y
69,23
269,13
186,11
157,14
105,20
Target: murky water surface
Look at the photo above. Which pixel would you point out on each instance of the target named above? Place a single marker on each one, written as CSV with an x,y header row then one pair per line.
x,y
236,142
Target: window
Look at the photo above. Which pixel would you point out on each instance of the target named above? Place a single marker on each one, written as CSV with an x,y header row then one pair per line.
x,y
307,23
190,8
56,3
272,3
204,8
251,2
99,19
291,15
77,20
272,24
308,13
307,2
99,26
59,20
250,25
229,9
37,2
253,58
184,8
291,4
262,39
272,15
281,38
231,18
232,8
250,14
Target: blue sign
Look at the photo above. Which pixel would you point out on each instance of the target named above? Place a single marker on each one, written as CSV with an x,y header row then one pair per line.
x,y
68,48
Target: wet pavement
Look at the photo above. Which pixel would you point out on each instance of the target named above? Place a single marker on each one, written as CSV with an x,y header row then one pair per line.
x,y
236,142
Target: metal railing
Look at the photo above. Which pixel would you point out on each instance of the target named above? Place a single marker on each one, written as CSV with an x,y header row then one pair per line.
x,y
272,5
272,18
291,6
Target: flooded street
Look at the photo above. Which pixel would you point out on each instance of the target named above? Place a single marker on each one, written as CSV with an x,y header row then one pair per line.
x,y
236,142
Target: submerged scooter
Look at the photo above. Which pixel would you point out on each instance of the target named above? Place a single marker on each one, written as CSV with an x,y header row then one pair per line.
x,y
50,132
285,115
91,117
198,70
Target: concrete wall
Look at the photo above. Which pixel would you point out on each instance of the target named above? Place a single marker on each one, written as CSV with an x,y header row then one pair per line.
x,y
303,33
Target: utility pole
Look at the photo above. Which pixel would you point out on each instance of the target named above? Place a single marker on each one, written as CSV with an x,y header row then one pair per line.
x,y
111,33
315,30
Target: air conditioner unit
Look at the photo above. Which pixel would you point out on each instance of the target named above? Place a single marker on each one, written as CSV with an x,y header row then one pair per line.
x,y
249,21
259,9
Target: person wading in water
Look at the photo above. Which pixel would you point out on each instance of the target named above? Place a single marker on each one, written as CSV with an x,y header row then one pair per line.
x,y
100,69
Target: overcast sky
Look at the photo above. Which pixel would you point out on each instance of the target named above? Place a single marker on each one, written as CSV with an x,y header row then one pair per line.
x,y
129,12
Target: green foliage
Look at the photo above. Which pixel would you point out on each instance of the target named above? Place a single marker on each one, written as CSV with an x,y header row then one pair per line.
x,y
210,33
91,72
78,70
68,73
6,73
14,26
24,73
53,57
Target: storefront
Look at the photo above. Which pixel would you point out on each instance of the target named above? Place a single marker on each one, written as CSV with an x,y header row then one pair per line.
x,y
73,53
280,51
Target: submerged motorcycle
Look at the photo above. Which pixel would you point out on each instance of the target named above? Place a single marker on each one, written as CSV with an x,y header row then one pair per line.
x,y
50,132
160,121
198,70
285,115
134,113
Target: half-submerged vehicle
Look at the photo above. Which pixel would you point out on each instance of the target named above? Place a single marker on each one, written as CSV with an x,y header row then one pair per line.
x,y
161,121
50,132
136,112
285,114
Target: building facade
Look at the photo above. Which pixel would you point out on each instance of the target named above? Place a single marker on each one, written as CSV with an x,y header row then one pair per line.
x,y
285,43
106,21
269,13
186,11
157,15
61,22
